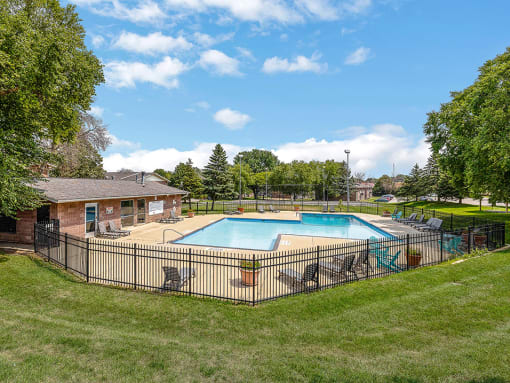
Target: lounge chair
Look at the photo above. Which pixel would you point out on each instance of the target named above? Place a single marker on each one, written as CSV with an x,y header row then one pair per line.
x,y
388,261
411,218
175,280
416,222
272,210
362,260
332,209
324,209
172,219
102,232
434,226
310,275
261,209
452,245
426,224
113,229
341,266
397,216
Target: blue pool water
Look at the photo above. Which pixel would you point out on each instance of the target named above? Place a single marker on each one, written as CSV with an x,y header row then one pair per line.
x,y
262,234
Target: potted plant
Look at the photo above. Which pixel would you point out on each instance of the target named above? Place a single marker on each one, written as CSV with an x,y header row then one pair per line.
x,y
191,213
386,213
296,208
240,209
250,273
413,257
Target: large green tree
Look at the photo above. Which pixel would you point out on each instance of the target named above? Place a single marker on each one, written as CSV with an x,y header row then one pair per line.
x,y
259,160
186,177
471,133
217,178
47,77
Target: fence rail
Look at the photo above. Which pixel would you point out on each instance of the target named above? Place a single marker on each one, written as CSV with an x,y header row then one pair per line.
x,y
254,278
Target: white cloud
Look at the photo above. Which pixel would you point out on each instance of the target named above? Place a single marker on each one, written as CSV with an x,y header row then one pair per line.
x,y
219,63
245,10
166,158
284,37
232,119
351,131
203,105
97,41
117,143
321,9
147,11
373,152
96,111
299,64
151,44
246,53
206,41
356,6
357,57
120,74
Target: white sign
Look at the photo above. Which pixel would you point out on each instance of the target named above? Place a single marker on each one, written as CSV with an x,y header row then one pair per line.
x,y
109,210
155,207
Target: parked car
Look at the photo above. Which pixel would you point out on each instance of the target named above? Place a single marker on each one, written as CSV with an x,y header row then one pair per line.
x,y
382,199
425,198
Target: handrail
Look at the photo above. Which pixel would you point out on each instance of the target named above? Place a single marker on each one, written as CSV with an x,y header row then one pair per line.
x,y
175,231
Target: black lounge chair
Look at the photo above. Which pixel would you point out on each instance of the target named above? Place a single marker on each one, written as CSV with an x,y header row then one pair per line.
x,y
113,229
341,267
417,222
175,280
419,225
434,226
332,209
172,219
261,209
324,209
363,261
102,232
310,275
411,218
272,210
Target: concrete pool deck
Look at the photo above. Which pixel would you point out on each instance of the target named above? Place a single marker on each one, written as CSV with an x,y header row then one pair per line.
x,y
152,233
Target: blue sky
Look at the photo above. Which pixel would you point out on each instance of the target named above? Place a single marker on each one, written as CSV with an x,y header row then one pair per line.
x,y
304,78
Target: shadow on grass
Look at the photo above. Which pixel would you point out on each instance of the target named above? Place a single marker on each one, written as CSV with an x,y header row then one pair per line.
x,y
489,380
55,270
3,258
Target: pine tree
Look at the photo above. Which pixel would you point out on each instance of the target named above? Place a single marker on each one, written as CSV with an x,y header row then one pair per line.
x,y
217,179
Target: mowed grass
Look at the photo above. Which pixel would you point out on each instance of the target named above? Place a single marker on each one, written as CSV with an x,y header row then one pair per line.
x,y
445,323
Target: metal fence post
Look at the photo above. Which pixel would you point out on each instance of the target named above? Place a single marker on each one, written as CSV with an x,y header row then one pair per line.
x,y
35,238
253,280
65,250
407,251
469,240
442,245
87,260
206,207
404,210
368,256
377,208
48,241
189,266
451,221
134,264
318,274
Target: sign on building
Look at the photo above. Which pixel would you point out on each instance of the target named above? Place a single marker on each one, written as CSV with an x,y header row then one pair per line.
x,y
155,207
109,210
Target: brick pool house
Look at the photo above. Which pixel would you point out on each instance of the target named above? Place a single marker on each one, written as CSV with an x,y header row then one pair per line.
x,y
78,204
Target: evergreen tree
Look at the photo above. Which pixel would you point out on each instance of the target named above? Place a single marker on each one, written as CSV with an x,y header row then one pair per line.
x,y
414,184
431,174
217,178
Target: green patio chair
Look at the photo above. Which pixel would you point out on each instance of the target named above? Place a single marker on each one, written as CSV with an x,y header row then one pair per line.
x,y
388,261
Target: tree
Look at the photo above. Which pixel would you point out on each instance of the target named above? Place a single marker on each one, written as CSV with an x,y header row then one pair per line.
x,y
164,173
471,133
383,185
81,158
217,178
258,183
259,160
414,184
246,177
47,77
185,177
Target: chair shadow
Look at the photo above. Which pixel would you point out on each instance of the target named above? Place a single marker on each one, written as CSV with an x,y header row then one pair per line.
x,y
238,283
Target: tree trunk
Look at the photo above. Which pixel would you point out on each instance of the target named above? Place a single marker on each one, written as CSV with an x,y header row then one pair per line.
x,y
506,204
212,206
481,204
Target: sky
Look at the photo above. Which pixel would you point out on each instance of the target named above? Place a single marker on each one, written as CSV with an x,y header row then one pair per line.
x,y
305,79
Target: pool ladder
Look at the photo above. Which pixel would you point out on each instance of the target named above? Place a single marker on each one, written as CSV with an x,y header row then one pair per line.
x,y
175,231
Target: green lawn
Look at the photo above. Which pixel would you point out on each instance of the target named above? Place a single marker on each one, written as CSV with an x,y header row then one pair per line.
x,y
445,323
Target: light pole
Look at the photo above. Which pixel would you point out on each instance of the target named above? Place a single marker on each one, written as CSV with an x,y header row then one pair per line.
x,y
240,178
347,151
266,185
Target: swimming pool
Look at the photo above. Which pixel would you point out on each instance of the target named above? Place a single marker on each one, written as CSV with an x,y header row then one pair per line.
x,y
262,234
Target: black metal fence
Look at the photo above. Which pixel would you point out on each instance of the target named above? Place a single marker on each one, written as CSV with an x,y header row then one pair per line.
x,y
256,277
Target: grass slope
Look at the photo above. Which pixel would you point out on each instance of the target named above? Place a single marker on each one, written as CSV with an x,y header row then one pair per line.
x,y
443,323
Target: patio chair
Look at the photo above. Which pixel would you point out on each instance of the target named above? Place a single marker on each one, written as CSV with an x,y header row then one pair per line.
x,y
362,260
272,210
175,279
411,218
388,261
416,222
341,267
426,224
261,209
452,245
434,226
113,229
310,275
397,216
172,219
324,209
332,209
102,232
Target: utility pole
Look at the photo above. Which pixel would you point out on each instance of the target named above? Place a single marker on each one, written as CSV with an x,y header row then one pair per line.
x,y
347,151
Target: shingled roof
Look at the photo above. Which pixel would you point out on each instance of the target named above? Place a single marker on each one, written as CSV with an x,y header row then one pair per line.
x,y
60,190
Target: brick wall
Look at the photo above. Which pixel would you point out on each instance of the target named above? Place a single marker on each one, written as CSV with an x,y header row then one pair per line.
x,y
72,216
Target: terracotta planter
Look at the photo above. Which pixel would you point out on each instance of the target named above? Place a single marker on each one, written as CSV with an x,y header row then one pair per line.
x,y
296,208
240,209
247,277
386,214
413,260
191,214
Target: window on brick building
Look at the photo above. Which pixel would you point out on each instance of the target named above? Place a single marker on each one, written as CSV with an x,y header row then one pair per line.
x,y
7,224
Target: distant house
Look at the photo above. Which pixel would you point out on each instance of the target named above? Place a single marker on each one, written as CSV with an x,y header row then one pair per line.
x,y
363,191
140,177
79,204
